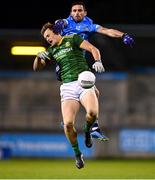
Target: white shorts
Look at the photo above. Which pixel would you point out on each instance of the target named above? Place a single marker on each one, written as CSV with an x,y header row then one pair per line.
x,y
73,90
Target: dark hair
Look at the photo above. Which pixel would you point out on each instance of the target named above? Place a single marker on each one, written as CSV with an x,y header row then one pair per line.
x,y
50,26
79,3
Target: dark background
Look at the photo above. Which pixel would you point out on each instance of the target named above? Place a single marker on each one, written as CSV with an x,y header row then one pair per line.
x,y
21,22
32,14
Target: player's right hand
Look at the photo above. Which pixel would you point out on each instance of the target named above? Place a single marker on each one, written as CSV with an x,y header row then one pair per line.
x,y
43,55
98,66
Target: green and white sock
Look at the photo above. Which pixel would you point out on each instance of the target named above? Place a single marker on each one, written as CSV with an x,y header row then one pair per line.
x,y
75,147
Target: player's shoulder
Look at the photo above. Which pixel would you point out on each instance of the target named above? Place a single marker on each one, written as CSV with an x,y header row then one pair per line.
x,y
71,36
89,20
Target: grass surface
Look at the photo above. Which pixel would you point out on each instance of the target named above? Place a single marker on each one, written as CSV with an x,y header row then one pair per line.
x,y
65,169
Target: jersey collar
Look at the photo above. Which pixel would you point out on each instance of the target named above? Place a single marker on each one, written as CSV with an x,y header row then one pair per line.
x,y
60,41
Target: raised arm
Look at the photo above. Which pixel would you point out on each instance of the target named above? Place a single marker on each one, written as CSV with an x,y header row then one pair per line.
x,y
96,55
91,48
110,32
127,39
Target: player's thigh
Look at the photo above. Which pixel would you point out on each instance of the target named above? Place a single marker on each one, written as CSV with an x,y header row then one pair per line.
x,y
90,101
69,109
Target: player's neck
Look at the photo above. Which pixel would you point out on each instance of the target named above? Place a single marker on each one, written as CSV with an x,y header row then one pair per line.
x,y
59,39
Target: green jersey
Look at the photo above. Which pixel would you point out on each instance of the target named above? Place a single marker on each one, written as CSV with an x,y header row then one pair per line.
x,y
69,56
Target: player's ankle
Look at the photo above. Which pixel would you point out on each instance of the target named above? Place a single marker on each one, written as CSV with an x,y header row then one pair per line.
x,y
96,129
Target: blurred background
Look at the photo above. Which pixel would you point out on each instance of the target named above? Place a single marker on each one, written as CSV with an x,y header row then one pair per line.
x,y
30,115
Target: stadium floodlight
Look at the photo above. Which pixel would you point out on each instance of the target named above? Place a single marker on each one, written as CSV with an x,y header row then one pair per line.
x,y
26,50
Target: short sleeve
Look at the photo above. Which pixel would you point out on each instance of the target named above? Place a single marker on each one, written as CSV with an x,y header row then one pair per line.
x,y
94,27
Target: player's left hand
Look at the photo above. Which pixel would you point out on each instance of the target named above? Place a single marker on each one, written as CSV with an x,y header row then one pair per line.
x,y
98,66
127,39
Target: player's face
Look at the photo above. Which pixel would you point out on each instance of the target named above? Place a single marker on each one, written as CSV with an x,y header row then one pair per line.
x,y
50,37
78,13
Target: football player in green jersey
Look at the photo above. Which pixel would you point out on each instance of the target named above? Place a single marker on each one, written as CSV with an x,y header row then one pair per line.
x,y
68,52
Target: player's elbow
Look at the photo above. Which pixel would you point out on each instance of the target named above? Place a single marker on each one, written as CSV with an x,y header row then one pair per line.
x,y
34,67
35,64
38,64
37,67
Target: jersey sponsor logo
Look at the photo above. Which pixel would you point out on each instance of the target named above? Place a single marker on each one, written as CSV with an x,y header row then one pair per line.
x,y
68,44
78,27
62,52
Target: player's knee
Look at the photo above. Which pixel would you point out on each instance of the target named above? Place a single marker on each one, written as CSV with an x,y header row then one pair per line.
x,y
92,114
68,126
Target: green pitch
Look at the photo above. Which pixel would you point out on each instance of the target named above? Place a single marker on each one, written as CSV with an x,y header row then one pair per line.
x,y
65,169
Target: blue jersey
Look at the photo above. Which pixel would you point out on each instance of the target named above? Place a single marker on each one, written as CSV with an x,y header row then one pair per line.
x,y
84,28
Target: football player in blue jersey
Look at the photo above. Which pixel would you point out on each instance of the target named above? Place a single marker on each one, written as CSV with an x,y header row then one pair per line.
x,y
79,23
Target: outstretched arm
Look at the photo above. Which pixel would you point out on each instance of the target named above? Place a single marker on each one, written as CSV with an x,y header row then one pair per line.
x,y
127,39
110,32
